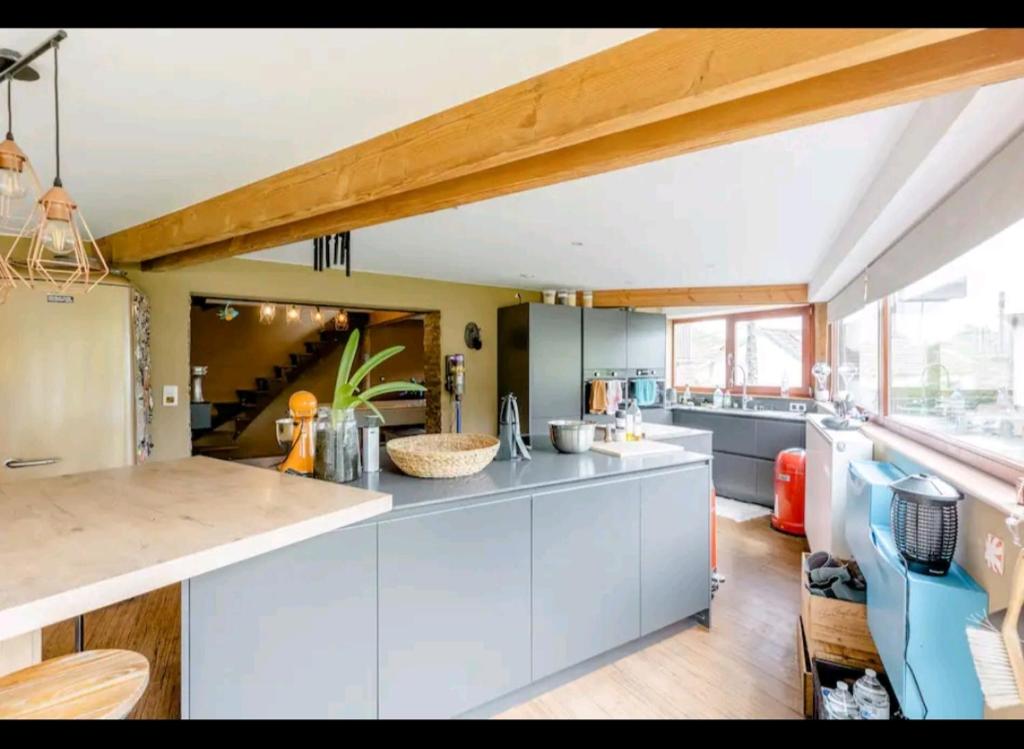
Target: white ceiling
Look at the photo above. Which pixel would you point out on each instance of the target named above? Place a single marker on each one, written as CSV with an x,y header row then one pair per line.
x,y
761,211
153,120
156,119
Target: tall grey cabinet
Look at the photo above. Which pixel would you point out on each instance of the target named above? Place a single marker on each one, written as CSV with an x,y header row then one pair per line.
x,y
646,340
604,338
540,360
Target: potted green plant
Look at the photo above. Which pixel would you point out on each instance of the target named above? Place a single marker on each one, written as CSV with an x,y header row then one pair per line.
x,y
337,437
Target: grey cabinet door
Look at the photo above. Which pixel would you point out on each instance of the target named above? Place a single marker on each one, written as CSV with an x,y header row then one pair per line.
x,y
555,362
735,434
586,572
454,609
735,476
775,436
604,338
675,563
764,481
289,634
694,419
646,340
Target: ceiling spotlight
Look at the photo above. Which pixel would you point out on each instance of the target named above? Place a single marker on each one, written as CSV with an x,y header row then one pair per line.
x,y
341,320
292,315
317,316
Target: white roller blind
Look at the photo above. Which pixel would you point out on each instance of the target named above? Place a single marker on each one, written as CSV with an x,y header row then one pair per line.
x,y
989,201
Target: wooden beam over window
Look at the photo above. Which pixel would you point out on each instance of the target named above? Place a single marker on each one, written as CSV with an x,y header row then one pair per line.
x,y
633,103
702,296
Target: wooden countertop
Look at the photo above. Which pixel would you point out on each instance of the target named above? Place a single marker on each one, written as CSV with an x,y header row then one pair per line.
x,y
72,544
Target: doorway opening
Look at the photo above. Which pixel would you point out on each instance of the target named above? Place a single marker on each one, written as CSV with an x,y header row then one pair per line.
x,y
248,356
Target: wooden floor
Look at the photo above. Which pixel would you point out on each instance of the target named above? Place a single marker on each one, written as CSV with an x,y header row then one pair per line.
x,y
744,667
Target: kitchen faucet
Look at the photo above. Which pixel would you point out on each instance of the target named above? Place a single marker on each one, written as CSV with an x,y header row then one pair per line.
x,y
745,401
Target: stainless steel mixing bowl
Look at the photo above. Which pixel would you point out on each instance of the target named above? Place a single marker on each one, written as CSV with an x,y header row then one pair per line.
x,y
571,436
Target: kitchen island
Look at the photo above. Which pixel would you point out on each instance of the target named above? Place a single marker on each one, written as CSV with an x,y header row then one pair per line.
x,y
72,544
466,592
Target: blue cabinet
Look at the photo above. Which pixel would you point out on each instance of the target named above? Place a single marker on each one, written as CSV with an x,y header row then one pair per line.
x,y
674,540
289,634
454,609
586,572
918,622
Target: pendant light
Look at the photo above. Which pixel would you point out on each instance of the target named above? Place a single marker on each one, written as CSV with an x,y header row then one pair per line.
x,y
268,312
16,172
292,315
57,251
17,179
317,316
341,320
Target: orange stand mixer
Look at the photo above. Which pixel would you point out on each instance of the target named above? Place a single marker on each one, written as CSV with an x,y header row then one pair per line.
x,y
298,433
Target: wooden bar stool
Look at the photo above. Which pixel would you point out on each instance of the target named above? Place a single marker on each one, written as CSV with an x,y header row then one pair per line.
x,y
91,684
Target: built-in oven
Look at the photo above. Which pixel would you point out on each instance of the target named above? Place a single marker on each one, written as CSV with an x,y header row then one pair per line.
x,y
646,387
603,390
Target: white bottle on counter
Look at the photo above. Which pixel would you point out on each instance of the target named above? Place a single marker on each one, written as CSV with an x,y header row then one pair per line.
x,y
638,422
630,422
716,400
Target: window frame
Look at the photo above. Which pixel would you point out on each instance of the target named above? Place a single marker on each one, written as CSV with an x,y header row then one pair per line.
x,y
799,390
997,464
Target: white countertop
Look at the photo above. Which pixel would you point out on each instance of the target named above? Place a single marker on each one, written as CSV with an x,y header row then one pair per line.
x,y
72,544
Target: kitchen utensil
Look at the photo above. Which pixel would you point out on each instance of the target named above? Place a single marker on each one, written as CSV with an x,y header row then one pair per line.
x,y
571,436
510,433
433,456
371,444
198,373
302,409
923,516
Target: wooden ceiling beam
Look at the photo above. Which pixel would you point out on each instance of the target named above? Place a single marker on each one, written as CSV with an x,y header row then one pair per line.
x,y
702,296
649,79
972,60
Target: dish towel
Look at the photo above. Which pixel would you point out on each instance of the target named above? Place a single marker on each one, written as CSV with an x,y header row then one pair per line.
x,y
646,392
598,397
614,396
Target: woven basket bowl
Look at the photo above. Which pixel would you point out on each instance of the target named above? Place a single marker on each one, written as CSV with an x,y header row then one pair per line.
x,y
443,456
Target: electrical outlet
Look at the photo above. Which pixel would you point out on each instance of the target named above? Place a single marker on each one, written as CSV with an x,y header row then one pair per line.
x,y
170,395
797,407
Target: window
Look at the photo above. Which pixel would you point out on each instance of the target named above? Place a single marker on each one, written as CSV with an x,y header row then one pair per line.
x,y
957,349
772,348
698,350
770,351
857,357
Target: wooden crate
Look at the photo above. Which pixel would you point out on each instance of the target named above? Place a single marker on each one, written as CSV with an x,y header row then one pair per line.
x,y
835,630
803,668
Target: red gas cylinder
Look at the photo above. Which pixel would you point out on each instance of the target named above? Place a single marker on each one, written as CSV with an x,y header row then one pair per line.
x,y
789,491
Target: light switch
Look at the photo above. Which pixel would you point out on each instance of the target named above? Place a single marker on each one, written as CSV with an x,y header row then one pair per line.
x,y
170,395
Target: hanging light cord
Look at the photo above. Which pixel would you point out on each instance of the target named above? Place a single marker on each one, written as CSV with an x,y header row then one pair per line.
x,y
10,117
56,116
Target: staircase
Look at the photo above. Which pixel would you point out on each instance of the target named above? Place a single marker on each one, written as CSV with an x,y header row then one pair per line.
x,y
253,401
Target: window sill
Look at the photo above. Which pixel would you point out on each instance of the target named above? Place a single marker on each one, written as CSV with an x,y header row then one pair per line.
x,y
969,479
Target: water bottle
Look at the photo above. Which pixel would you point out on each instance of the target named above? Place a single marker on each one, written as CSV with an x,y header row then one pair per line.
x,y
839,703
687,395
717,398
871,697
